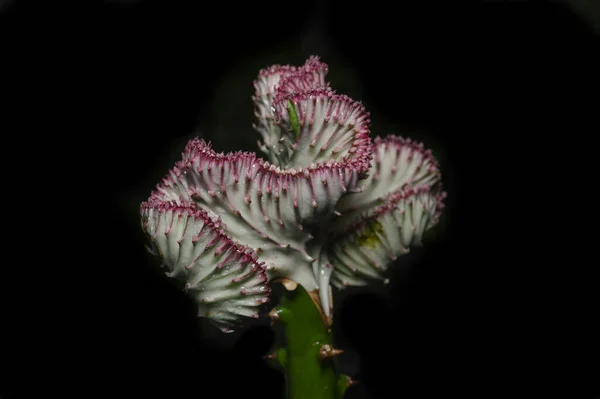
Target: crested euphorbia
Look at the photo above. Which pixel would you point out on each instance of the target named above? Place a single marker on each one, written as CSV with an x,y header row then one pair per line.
x,y
328,206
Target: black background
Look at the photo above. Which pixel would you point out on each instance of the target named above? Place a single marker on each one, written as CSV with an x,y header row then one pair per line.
x,y
474,81
478,82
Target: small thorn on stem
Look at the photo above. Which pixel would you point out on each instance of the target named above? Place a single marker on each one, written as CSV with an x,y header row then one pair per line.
x,y
326,351
280,356
350,382
289,285
274,315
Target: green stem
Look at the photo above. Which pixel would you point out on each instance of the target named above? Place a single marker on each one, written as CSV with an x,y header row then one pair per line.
x,y
309,375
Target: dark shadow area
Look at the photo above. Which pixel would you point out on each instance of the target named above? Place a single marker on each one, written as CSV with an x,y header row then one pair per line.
x,y
485,85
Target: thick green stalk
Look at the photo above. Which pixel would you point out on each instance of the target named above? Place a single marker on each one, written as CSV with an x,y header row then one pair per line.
x,y
307,356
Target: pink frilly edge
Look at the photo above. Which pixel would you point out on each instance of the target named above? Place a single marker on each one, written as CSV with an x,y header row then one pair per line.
x,y
400,142
313,66
199,152
390,204
407,191
222,241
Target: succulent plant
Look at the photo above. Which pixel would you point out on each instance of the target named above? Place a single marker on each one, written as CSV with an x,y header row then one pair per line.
x,y
329,206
